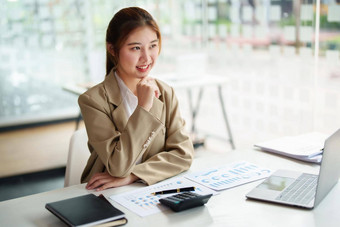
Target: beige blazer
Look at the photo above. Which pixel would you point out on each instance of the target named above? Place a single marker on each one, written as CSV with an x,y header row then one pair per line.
x,y
116,143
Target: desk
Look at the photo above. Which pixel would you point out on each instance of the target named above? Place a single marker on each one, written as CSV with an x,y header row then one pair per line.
x,y
187,83
229,208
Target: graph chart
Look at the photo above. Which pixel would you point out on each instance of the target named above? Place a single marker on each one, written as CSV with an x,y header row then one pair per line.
x,y
230,175
143,203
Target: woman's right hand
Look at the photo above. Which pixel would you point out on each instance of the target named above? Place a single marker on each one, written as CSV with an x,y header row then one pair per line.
x,y
101,181
146,90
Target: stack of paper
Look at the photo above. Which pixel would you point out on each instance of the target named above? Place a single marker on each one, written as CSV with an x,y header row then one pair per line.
x,y
306,147
143,202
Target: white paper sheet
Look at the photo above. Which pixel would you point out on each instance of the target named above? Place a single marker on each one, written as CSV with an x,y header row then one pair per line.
x,y
230,175
143,203
306,147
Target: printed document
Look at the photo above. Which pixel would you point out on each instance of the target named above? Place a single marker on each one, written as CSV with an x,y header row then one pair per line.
x,y
143,203
307,147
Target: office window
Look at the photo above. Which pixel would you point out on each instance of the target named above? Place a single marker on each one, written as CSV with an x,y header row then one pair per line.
x,y
266,48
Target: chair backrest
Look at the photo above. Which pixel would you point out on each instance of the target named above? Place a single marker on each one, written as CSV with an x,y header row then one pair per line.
x,y
78,155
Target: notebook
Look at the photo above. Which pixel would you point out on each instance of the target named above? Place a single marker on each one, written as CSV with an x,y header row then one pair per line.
x,y
303,189
87,210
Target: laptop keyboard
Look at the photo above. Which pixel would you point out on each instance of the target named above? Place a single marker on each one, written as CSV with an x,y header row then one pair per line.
x,y
301,191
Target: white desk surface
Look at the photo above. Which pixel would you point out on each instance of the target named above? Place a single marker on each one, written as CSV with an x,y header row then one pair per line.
x,y
229,208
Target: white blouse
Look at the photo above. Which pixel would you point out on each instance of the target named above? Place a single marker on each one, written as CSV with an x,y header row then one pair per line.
x,y
130,101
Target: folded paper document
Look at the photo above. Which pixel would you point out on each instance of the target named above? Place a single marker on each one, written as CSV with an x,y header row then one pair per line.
x,y
306,147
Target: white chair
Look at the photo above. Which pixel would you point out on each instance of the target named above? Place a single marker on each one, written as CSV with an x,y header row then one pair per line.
x,y
78,155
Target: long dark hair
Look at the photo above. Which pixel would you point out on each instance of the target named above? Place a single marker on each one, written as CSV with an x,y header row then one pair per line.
x,y
123,22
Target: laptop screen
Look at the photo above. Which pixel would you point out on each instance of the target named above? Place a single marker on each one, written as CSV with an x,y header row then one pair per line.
x,y
329,169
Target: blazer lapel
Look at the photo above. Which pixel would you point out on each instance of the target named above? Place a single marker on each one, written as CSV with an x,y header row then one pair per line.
x,y
157,109
118,113
119,117
113,94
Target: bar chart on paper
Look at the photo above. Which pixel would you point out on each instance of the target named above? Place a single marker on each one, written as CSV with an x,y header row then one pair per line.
x,y
230,175
143,203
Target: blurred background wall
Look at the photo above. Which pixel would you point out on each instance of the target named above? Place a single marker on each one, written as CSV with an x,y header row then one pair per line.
x,y
281,58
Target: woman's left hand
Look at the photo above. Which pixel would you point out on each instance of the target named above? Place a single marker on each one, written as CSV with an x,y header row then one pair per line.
x,y
101,181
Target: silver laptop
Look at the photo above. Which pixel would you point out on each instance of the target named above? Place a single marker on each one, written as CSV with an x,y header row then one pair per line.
x,y
303,189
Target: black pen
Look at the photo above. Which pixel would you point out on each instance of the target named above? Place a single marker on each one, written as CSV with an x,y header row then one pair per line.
x,y
174,191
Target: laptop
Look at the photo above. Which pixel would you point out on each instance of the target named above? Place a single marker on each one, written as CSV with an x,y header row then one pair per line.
x,y
303,189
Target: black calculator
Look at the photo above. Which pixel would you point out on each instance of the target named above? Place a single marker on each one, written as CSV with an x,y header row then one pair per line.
x,y
184,201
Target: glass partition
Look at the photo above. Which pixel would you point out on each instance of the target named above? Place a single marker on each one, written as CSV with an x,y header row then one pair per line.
x,y
281,58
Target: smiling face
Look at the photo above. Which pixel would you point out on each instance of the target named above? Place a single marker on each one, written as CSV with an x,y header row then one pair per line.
x,y
138,55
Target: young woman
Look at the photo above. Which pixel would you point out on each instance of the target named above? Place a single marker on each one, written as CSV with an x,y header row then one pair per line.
x,y
133,121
